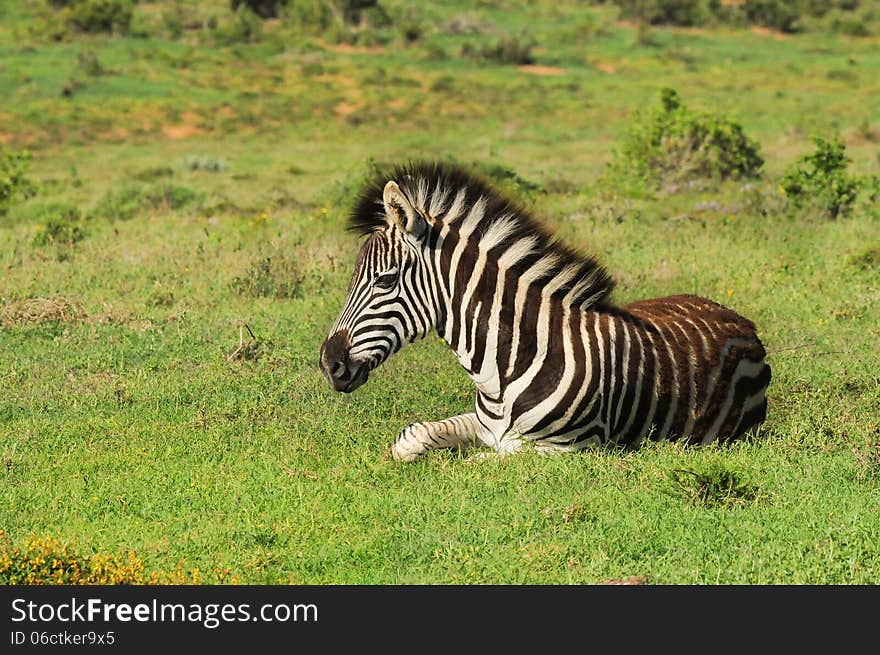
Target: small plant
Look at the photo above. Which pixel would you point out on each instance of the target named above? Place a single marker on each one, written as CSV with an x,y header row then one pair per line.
x,y
242,26
714,486
781,15
820,179
466,23
871,188
88,63
275,276
95,16
507,178
58,223
684,13
153,173
262,8
127,202
411,28
14,182
340,21
868,259
209,164
672,144
172,20
509,50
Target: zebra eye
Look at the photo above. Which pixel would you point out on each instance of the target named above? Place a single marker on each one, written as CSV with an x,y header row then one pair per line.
x,y
386,280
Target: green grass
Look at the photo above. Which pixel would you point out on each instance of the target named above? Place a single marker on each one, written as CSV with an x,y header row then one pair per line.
x,y
124,425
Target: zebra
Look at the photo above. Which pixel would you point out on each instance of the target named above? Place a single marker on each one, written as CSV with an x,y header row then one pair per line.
x,y
555,362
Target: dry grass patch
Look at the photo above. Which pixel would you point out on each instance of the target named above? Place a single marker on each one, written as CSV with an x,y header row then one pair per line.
x,y
39,311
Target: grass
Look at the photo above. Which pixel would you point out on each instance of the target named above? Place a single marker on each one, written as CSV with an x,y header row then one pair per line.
x,y
210,184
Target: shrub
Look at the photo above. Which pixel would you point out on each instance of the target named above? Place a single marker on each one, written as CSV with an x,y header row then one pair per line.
x,y
128,201
673,144
819,179
262,8
871,188
358,11
847,16
506,178
243,26
868,259
311,16
662,12
113,16
153,173
466,23
89,64
409,24
850,24
14,183
781,15
508,50
276,276
349,21
57,222
172,20
206,163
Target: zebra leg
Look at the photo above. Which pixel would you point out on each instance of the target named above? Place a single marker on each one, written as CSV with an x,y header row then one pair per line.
x,y
417,439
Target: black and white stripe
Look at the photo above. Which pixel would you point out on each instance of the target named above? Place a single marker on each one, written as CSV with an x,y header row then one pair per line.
x,y
554,361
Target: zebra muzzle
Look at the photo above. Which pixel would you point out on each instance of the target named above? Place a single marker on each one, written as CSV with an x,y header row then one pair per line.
x,y
343,374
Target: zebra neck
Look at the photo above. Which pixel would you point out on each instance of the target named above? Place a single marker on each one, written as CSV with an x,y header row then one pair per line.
x,y
497,325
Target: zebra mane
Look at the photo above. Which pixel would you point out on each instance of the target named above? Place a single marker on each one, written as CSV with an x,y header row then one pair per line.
x,y
452,195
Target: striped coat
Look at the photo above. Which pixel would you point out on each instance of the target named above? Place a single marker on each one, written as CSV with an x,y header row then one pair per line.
x,y
554,361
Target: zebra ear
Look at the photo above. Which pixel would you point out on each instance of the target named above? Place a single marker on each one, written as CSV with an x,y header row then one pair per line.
x,y
398,208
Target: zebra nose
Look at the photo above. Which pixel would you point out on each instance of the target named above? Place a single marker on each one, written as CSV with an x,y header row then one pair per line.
x,y
334,360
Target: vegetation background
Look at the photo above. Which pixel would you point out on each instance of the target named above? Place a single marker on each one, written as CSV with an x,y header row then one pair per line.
x,y
174,182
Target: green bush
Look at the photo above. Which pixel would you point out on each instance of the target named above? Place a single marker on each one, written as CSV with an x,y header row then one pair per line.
x,y
409,23
673,144
781,15
508,50
819,179
153,173
846,16
88,63
57,222
279,275
685,13
868,259
262,8
344,21
243,26
206,163
125,203
173,19
860,22
506,178
112,16
14,183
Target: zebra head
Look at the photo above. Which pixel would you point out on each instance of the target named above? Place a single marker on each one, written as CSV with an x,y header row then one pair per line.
x,y
389,302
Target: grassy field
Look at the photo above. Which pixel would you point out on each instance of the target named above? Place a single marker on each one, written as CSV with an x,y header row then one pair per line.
x,y
203,184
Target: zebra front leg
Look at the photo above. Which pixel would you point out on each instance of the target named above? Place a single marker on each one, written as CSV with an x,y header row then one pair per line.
x,y
417,439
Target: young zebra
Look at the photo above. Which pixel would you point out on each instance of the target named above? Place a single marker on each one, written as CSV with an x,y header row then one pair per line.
x,y
554,362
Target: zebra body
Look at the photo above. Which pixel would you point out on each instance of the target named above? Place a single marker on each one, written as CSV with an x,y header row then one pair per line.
x,y
553,361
